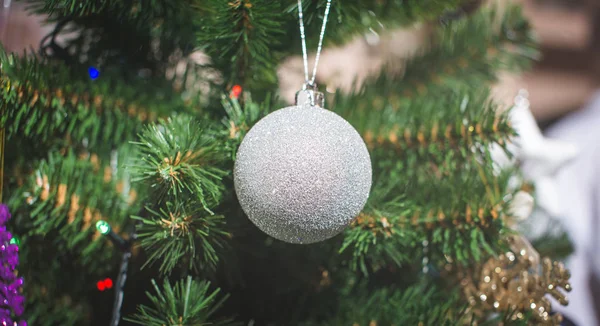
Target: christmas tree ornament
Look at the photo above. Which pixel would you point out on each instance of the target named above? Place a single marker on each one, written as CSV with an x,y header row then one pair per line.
x,y
538,157
518,282
303,173
10,283
521,205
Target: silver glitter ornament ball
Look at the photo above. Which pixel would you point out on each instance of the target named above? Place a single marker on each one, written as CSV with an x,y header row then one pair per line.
x,y
302,174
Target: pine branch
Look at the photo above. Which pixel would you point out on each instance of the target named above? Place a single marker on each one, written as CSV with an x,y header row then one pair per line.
x,y
68,8
378,239
240,36
419,145
57,311
352,18
420,304
557,246
181,160
44,100
246,39
462,227
149,43
54,296
488,130
125,9
187,303
474,50
240,117
471,51
375,243
420,127
180,235
64,199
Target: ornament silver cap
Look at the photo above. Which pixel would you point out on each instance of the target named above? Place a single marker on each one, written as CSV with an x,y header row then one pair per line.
x,y
310,96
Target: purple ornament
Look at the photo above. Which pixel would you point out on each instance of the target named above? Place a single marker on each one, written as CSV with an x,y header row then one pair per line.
x,y
6,321
11,300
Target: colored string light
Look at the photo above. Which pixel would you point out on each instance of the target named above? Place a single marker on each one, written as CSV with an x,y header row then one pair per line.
x,y
15,240
104,284
93,72
103,227
236,91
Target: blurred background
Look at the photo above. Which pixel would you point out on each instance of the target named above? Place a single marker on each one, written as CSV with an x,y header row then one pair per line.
x,y
566,77
562,91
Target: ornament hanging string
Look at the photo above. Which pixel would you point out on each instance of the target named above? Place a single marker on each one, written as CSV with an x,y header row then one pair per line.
x,y
311,81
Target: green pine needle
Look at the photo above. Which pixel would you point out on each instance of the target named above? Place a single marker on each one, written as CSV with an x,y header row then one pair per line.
x,y
351,18
189,302
181,160
48,101
241,117
422,303
64,198
177,236
239,36
85,8
406,210
440,81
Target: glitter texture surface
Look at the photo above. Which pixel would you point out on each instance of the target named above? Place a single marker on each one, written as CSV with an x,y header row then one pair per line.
x,y
302,174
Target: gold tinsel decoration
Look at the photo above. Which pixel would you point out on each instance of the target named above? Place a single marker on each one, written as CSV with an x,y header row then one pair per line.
x,y
517,283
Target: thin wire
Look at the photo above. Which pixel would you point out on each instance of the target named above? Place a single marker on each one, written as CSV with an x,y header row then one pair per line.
x,y
311,81
320,46
125,246
120,288
303,37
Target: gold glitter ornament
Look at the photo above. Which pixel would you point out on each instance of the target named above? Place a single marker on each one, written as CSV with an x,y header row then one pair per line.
x,y
518,282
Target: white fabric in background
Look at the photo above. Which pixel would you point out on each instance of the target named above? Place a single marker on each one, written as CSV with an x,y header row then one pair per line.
x,y
579,192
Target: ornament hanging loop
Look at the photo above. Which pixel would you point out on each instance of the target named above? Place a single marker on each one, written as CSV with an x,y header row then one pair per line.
x,y
310,96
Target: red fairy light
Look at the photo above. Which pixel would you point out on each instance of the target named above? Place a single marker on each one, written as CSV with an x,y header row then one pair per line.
x,y
236,91
104,284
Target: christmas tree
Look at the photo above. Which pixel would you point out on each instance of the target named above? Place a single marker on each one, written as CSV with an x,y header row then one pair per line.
x,y
120,147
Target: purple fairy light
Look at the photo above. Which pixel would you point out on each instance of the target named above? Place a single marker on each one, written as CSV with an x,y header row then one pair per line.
x,y
11,299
